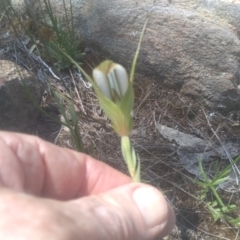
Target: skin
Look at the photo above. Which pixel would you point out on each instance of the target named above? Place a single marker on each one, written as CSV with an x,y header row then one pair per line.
x,y
48,192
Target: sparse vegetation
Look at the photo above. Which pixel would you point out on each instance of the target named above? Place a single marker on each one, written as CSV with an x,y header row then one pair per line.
x,y
54,33
65,38
218,209
202,210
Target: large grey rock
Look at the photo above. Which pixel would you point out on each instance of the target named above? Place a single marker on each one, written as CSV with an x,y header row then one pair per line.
x,y
17,110
190,45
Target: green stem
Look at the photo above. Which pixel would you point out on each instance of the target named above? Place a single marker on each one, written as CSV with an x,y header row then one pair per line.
x,y
130,158
219,200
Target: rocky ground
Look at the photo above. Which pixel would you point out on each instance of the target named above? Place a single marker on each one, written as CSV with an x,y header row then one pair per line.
x,y
162,164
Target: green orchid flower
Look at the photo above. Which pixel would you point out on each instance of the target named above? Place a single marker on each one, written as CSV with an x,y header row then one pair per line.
x,y
115,94
116,97
112,80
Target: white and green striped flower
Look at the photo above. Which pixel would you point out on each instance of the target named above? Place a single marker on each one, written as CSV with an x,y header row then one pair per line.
x,y
115,94
112,80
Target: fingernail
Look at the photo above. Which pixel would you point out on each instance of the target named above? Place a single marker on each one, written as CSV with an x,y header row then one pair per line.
x,y
152,205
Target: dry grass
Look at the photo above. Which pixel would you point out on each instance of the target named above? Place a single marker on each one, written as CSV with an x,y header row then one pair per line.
x,y
160,162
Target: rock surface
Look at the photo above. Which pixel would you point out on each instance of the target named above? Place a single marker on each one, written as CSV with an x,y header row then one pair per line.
x,y
17,111
189,45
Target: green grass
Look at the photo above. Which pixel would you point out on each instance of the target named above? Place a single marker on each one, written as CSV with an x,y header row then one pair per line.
x,y
65,38
216,206
57,35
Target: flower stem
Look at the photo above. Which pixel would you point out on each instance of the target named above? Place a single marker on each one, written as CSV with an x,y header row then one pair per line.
x,y
131,159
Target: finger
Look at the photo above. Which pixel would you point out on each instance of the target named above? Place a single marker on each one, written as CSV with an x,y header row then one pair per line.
x,y
31,164
133,211
20,167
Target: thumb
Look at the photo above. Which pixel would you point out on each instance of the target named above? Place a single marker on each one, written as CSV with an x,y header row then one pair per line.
x,y
133,211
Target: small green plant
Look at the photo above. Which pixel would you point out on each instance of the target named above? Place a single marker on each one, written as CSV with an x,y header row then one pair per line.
x,y
71,122
218,209
116,97
64,39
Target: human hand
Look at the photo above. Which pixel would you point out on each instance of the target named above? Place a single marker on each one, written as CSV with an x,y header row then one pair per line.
x,y
47,192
